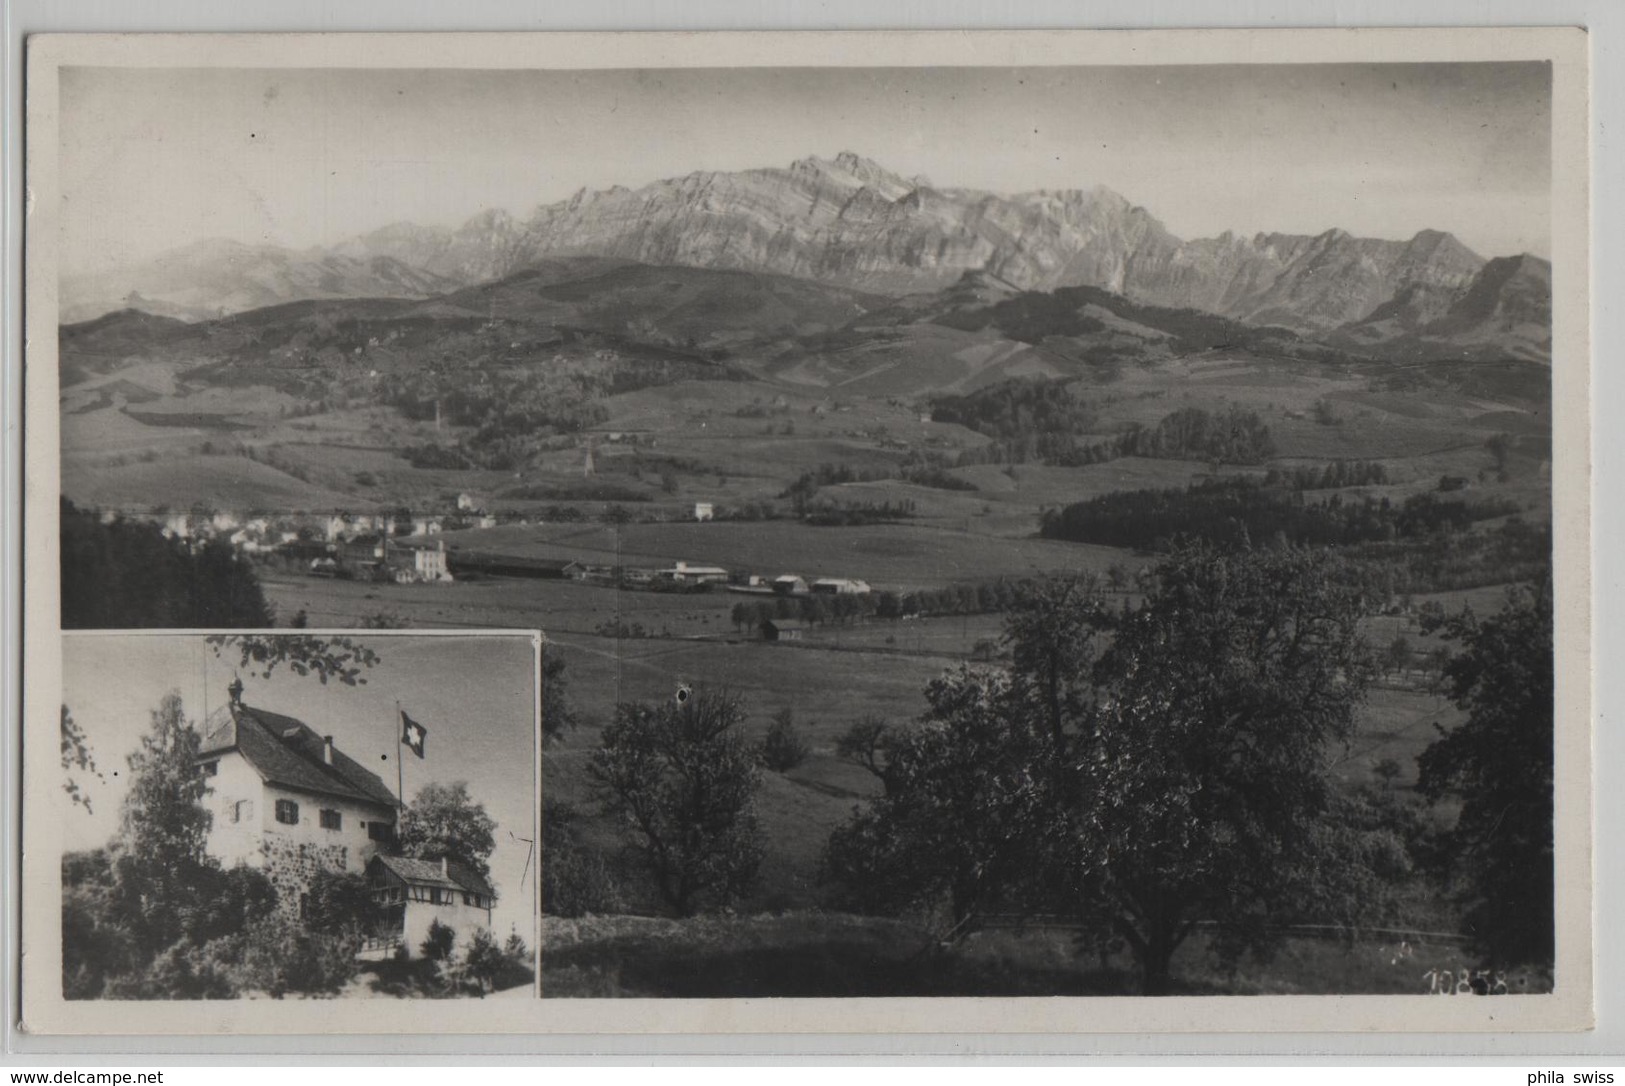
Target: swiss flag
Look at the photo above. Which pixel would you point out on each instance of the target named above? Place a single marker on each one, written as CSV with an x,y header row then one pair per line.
x,y
413,734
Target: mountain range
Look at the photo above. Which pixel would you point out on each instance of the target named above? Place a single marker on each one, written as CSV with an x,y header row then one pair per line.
x,y
850,222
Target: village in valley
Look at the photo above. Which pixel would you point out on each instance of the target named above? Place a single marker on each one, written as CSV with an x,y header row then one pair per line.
x,y
408,548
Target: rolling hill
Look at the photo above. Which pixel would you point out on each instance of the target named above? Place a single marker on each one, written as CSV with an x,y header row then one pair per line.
x,y
216,277
1505,313
630,324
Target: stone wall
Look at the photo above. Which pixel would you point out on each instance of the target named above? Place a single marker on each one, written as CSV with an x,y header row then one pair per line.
x,y
291,865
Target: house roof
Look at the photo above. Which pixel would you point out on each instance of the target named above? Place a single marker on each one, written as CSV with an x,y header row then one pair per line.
x,y
427,873
288,752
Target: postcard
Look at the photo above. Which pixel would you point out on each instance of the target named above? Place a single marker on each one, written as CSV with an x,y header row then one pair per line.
x,y
1032,532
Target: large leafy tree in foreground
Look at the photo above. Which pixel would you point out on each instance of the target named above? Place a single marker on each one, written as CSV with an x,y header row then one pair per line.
x,y
971,814
683,780
1176,776
1204,792
960,825
1499,764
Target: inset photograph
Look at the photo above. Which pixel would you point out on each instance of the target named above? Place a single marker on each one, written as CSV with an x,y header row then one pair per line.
x,y
268,815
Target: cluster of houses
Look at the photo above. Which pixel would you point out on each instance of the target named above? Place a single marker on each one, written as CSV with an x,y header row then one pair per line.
x,y
378,557
398,546
286,801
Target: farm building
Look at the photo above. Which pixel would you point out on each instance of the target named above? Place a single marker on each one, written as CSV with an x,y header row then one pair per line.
x,y
789,585
752,585
704,511
507,565
840,586
783,629
688,573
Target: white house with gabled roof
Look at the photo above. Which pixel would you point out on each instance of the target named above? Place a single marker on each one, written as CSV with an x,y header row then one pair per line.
x,y
286,800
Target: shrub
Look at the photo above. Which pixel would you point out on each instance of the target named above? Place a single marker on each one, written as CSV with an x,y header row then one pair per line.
x,y
575,879
783,748
437,945
338,903
282,956
684,781
483,960
185,971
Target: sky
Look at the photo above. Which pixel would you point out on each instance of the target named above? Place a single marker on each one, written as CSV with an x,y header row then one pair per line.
x,y
475,695
153,159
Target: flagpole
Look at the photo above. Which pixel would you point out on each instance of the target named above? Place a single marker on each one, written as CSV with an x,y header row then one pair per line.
x,y
400,759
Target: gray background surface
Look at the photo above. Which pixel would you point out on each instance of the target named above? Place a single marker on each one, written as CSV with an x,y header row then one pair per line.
x,y
1606,21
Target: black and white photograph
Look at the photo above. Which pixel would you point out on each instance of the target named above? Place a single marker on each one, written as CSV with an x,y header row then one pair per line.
x,y
1000,528
259,815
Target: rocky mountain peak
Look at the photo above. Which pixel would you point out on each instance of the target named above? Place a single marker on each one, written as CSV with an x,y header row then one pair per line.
x,y
849,221
852,170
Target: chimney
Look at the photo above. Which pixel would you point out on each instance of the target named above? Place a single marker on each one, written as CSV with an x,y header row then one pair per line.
x,y
327,749
443,872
